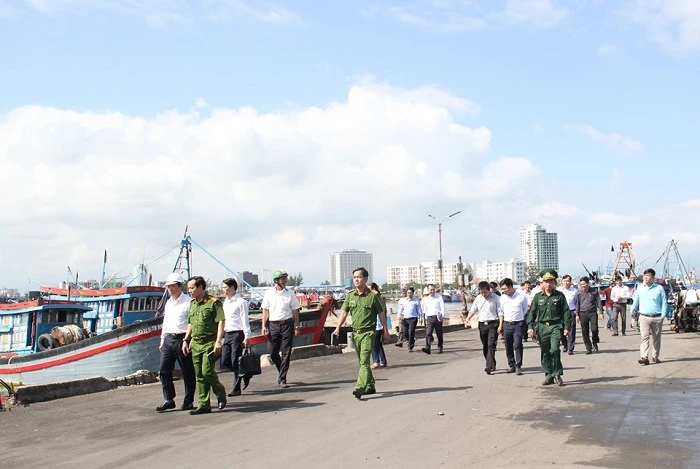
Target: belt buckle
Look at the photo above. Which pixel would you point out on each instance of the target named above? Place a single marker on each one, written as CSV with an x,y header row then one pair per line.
x,y
546,323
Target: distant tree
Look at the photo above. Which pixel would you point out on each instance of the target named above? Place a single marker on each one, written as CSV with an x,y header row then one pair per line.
x,y
326,282
296,280
387,287
532,273
264,284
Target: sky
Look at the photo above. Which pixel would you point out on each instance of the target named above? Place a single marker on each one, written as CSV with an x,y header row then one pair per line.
x,y
281,132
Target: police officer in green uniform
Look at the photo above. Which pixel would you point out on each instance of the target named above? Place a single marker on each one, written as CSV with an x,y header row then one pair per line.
x,y
550,315
205,331
364,307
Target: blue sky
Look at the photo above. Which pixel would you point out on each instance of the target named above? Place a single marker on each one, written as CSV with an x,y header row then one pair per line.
x,y
600,97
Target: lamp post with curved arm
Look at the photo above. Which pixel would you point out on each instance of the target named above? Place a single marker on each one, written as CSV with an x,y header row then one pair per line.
x,y
440,243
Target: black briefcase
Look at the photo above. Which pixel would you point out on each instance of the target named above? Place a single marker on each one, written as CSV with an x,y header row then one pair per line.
x,y
249,363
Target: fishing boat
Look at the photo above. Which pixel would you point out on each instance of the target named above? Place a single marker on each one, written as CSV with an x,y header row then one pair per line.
x,y
112,307
126,324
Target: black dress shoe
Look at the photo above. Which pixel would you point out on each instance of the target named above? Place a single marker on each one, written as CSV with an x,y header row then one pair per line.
x,y
246,381
518,371
570,352
559,381
426,350
200,411
487,370
234,393
548,381
510,370
165,406
357,393
643,361
440,350
186,406
595,347
369,391
588,352
398,344
222,402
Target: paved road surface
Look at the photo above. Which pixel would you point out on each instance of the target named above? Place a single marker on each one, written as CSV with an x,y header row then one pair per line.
x,y
613,412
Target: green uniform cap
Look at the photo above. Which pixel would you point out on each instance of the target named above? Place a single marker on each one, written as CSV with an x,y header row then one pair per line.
x,y
549,274
279,273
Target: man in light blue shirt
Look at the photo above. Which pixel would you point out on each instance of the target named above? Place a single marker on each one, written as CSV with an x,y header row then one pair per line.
x,y
650,302
409,312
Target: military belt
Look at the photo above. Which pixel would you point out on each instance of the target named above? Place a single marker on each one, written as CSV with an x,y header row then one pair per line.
x,y
362,331
550,323
201,340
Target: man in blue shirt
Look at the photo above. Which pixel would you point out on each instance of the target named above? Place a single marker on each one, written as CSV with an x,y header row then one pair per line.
x,y
650,302
409,313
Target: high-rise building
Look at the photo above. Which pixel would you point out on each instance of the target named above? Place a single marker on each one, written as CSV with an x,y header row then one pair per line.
x,y
250,278
497,271
423,274
539,248
343,263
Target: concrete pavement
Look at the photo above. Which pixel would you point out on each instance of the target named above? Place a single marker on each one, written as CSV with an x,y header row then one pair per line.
x,y
613,412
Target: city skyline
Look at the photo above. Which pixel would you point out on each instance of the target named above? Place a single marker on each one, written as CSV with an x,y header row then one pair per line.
x,y
281,134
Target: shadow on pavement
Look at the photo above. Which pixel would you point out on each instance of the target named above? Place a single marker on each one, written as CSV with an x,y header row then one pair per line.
x,y
411,365
271,406
410,392
599,379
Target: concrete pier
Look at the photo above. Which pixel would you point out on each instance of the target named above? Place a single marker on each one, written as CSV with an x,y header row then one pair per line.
x,y
429,411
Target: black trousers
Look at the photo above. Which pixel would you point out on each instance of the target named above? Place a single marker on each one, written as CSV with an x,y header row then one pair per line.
x,y
280,338
589,326
488,333
231,351
432,324
409,331
619,317
170,353
513,333
570,342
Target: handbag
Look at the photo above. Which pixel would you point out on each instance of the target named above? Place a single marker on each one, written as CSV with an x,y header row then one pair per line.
x,y
249,363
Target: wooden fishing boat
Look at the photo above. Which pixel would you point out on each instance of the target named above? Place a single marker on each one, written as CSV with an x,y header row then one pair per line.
x,y
125,350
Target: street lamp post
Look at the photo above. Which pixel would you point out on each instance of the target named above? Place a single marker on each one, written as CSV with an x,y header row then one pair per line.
x,y
440,243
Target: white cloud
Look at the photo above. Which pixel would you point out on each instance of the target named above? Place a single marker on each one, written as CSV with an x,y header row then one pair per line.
x,y
161,13
537,128
675,24
607,49
612,140
542,14
470,15
282,189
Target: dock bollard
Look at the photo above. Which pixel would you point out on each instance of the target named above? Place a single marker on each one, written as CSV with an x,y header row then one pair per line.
x,y
351,341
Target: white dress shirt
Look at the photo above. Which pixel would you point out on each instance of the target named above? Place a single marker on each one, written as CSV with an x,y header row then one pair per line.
x,y
620,294
236,313
175,315
486,308
280,304
569,293
513,308
433,306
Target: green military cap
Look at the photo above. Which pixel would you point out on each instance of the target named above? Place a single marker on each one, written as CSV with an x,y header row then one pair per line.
x,y
549,274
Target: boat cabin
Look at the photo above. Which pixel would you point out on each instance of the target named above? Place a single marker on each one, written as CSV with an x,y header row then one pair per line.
x,y
113,307
22,323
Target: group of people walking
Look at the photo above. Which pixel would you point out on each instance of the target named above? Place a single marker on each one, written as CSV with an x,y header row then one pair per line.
x,y
199,329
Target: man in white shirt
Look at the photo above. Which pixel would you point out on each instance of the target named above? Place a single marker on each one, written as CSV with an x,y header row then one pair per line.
x,y
486,306
173,332
526,289
619,295
409,313
433,307
513,309
280,323
236,332
569,291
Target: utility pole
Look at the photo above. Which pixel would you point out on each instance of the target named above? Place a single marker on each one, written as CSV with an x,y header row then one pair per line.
x,y
440,244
